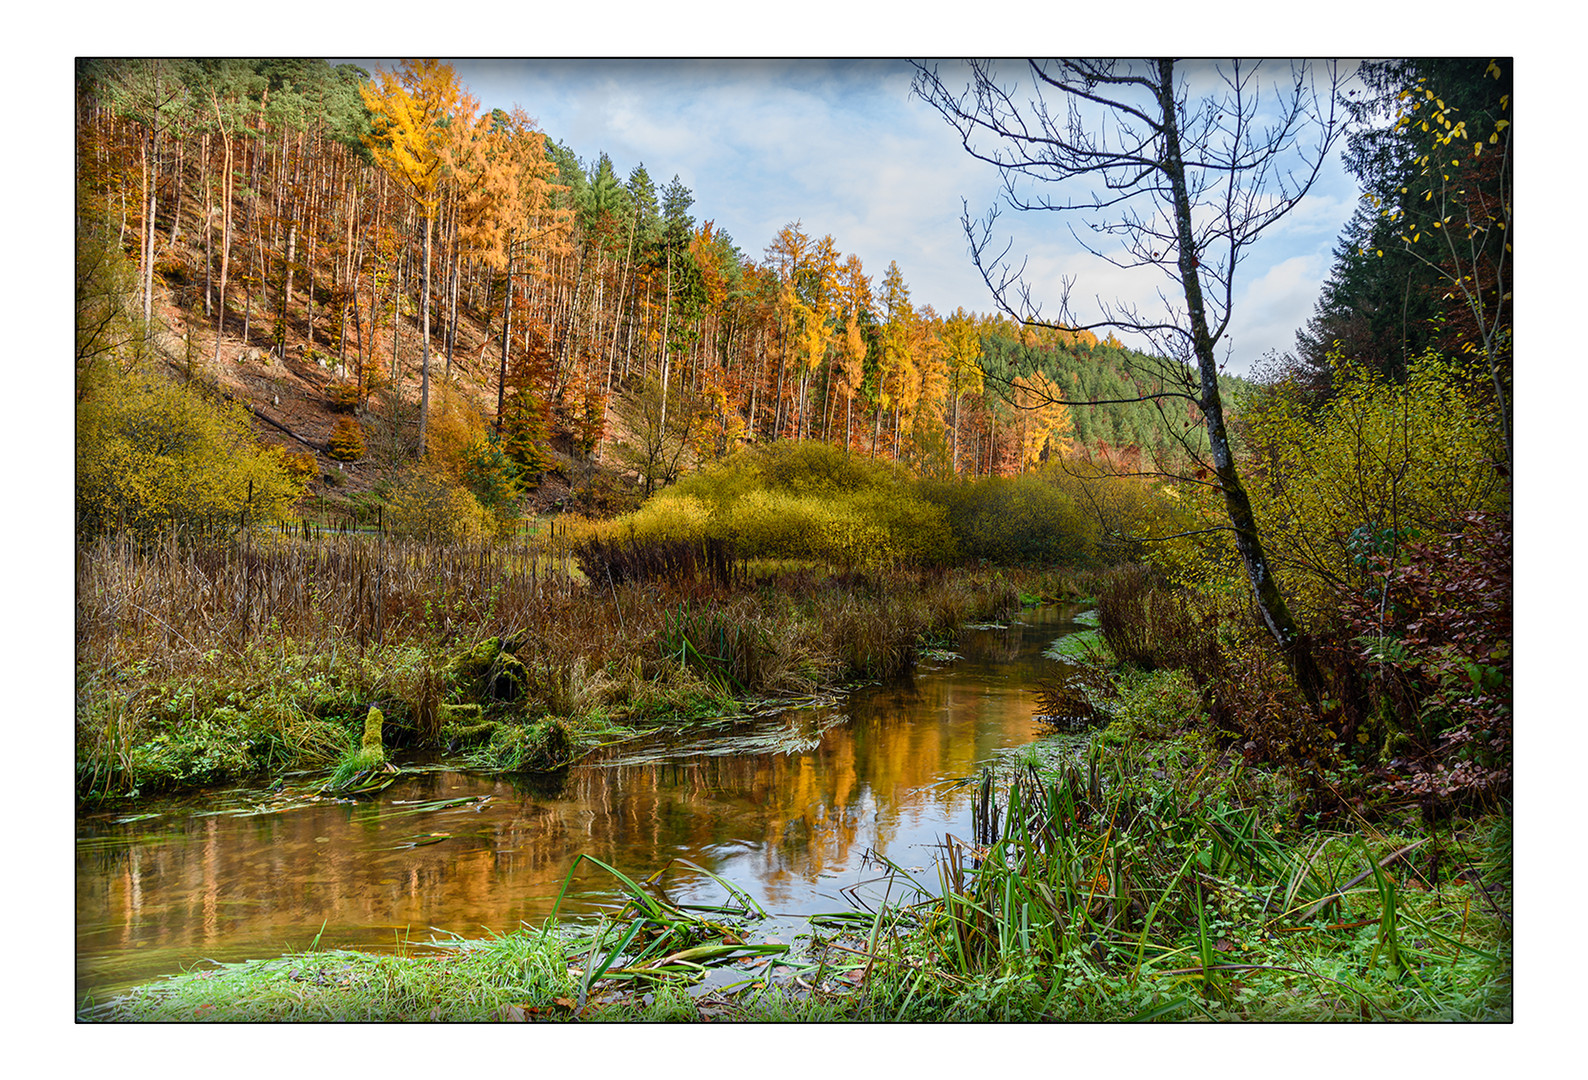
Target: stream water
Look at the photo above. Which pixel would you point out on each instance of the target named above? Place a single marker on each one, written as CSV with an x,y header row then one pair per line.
x,y
791,807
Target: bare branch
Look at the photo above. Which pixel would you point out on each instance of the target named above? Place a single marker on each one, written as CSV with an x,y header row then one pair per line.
x,y
1180,190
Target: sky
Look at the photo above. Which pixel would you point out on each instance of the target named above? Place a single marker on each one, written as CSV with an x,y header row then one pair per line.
x,y
844,148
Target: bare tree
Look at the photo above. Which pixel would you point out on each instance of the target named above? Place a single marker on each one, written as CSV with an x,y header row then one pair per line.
x,y
1161,179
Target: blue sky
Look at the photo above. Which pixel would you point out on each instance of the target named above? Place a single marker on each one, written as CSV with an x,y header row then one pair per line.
x,y
842,147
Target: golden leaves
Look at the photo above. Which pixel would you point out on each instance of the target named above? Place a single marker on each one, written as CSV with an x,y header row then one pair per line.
x,y
411,111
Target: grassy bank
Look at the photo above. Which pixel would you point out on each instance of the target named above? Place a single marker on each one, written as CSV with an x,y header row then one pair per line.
x,y
1150,879
202,665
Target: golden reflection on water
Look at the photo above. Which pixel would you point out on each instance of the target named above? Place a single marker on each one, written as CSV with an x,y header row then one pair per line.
x,y
160,894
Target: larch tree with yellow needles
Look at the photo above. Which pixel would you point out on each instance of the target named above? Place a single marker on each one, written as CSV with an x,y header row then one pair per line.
x,y
413,111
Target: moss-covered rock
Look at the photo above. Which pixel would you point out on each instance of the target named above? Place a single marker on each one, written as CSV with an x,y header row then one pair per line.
x,y
488,672
372,746
467,669
465,727
462,713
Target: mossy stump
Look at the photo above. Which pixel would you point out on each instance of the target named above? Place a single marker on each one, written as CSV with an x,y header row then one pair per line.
x,y
364,771
372,746
489,672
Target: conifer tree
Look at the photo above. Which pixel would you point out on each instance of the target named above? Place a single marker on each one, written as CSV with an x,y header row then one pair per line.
x,y
412,110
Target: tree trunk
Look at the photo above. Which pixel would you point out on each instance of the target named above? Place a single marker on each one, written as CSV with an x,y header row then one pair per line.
x,y
209,223
424,364
1275,614
954,461
150,177
226,228
176,205
507,334
667,352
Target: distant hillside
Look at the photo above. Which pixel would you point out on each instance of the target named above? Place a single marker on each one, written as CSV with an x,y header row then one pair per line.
x,y
285,243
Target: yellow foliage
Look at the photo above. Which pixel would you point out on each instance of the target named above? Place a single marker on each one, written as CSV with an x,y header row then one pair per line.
x,y
299,465
152,454
1378,464
412,111
1044,419
431,505
455,427
801,501
347,440
680,517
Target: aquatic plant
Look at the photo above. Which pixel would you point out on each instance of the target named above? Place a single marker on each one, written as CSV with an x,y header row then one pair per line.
x,y
1105,894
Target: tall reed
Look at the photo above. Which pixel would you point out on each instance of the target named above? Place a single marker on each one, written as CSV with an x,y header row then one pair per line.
x,y
172,636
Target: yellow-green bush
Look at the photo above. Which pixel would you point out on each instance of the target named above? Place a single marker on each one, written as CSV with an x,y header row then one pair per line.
x,y
152,454
801,501
430,505
678,517
1014,519
1069,511
1376,465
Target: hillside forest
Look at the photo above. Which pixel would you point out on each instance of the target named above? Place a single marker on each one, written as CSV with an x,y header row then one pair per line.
x,y
402,425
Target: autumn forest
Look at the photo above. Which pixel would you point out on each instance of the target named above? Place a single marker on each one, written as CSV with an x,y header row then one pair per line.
x,y
409,438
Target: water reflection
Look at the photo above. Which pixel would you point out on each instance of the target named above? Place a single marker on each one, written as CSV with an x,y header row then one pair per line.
x,y
793,828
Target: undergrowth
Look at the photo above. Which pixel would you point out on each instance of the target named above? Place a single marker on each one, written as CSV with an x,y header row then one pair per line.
x,y
277,663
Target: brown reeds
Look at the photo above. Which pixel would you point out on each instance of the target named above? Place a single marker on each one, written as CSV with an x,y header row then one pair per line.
x,y
1146,622
325,623
170,602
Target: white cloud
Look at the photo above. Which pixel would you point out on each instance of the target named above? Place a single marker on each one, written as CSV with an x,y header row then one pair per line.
x,y
1266,311
842,147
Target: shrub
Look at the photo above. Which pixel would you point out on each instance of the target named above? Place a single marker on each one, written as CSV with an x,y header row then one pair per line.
x,y
1146,622
1254,702
343,397
1014,519
1156,705
347,440
152,454
491,476
672,517
299,465
1428,647
427,505
1377,465
801,501
110,332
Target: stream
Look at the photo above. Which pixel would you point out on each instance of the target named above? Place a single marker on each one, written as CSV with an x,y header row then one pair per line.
x,y
792,807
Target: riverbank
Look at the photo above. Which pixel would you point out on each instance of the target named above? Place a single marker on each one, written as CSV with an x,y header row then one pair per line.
x,y
197,667
1146,880
1154,874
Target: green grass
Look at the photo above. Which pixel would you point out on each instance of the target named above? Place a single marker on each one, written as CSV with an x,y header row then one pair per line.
x,y
1145,882
1152,884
